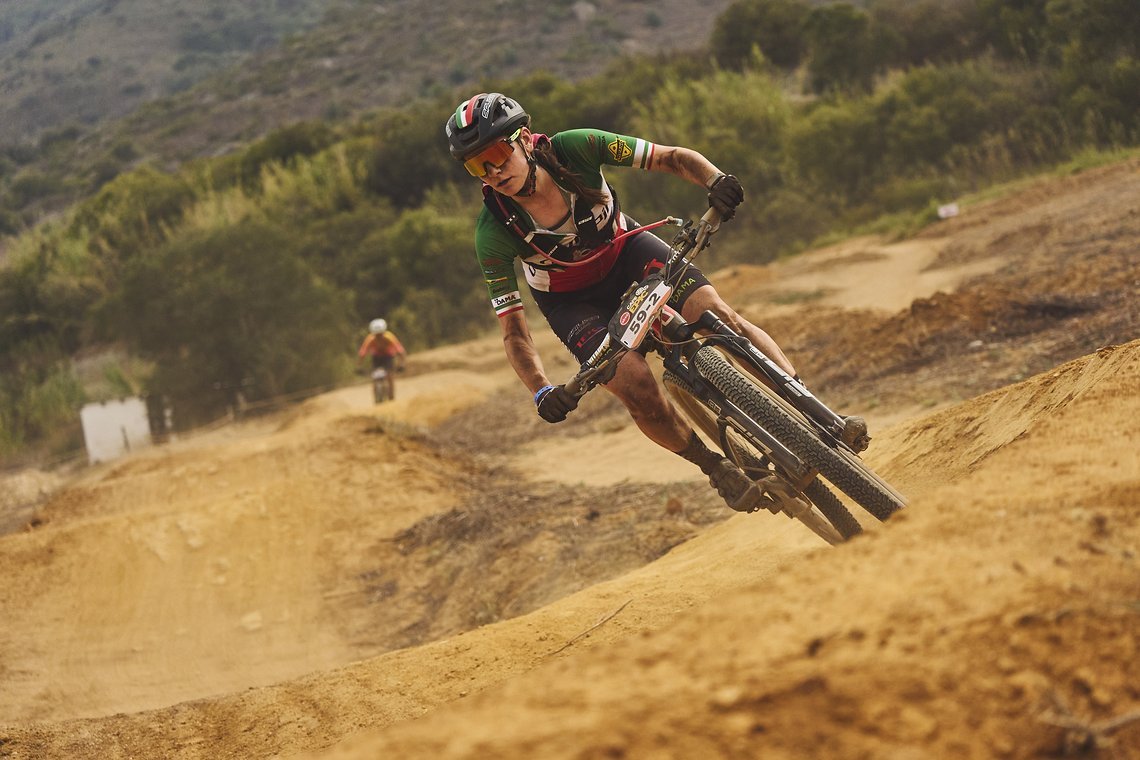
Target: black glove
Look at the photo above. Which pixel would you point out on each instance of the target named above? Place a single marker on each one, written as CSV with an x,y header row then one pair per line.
x,y
554,402
725,195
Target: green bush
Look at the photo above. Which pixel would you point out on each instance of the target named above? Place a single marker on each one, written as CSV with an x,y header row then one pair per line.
x,y
424,251
31,186
739,120
228,312
409,155
39,398
930,31
132,212
836,149
787,220
281,147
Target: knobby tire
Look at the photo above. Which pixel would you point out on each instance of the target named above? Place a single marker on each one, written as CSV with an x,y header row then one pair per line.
x,y
827,504
851,477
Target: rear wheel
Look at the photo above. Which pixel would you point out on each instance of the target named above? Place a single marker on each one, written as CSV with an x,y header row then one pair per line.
x,y
839,467
820,511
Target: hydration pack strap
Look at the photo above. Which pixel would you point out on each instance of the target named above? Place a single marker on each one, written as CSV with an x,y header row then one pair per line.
x,y
510,219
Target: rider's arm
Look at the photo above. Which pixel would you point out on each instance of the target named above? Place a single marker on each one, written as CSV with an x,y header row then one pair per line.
x,y
521,353
365,347
684,163
397,346
586,150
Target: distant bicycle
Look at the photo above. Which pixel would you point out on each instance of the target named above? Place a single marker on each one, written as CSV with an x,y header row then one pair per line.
x,y
762,418
388,355
381,388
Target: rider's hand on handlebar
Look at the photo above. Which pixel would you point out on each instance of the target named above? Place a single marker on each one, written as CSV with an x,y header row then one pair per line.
x,y
725,195
554,402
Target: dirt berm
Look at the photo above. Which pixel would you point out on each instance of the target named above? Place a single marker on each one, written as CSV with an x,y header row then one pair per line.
x,y
446,576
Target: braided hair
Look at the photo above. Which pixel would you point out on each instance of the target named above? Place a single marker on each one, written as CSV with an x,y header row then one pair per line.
x,y
548,159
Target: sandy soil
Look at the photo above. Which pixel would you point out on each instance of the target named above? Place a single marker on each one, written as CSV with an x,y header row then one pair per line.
x,y
447,576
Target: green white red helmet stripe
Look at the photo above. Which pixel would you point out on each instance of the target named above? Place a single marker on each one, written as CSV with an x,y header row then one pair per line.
x,y
465,111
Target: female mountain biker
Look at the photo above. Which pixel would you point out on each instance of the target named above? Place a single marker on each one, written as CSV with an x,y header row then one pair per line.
x,y
547,202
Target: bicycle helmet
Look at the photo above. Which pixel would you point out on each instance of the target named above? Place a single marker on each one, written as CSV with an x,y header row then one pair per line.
x,y
377,326
481,121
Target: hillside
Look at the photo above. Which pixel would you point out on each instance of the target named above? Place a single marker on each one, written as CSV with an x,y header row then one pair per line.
x,y
356,581
93,87
79,63
255,65
387,54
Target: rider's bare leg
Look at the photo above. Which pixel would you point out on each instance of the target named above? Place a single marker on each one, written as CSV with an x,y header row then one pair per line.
x,y
656,417
705,298
652,412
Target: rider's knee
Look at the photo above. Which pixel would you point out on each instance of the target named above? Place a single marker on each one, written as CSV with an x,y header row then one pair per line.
x,y
732,318
637,388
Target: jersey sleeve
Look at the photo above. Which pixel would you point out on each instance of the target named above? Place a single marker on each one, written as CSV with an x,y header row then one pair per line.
x,y
496,251
590,149
395,346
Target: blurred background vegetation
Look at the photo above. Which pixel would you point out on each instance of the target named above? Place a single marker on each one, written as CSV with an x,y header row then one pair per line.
x,y
157,254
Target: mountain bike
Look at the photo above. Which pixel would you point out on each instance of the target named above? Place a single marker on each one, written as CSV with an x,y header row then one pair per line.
x,y
380,388
764,420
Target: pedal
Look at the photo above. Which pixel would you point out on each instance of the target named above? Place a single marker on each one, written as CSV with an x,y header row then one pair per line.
x,y
777,493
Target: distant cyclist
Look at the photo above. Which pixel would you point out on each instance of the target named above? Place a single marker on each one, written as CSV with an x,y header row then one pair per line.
x,y
547,203
385,349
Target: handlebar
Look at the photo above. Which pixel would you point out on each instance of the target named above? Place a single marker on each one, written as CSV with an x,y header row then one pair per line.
x,y
706,226
689,242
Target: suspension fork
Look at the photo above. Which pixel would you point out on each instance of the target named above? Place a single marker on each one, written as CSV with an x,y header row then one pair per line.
x,y
728,415
788,388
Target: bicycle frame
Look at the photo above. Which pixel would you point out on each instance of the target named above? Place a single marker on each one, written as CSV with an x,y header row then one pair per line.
x,y
644,315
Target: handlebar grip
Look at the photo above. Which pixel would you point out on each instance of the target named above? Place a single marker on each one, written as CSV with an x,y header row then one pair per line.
x,y
708,224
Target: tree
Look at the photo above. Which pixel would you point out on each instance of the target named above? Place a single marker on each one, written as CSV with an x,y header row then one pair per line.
x,y
775,26
844,50
236,310
1099,42
1015,28
837,148
421,274
282,146
410,155
930,30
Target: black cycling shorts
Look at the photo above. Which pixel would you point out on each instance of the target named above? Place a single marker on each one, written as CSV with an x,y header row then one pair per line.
x,y
385,361
579,317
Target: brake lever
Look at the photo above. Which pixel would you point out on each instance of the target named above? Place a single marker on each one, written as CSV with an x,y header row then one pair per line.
x,y
589,378
706,226
579,385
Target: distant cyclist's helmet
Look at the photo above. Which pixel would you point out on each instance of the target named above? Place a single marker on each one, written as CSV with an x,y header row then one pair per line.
x,y
377,326
481,130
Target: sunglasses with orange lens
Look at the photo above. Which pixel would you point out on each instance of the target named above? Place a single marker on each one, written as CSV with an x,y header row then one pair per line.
x,y
494,154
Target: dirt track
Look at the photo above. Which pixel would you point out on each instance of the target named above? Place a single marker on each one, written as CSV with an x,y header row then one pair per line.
x,y
448,577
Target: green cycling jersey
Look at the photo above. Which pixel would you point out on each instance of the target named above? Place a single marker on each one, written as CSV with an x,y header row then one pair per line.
x,y
578,253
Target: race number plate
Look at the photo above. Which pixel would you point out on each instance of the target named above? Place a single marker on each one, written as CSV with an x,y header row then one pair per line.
x,y
639,310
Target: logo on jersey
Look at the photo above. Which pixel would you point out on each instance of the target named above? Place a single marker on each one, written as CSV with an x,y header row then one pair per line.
x,y
620,149
506,300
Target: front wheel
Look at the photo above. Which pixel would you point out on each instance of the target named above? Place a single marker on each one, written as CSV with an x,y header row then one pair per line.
x,y
817,508
842,469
